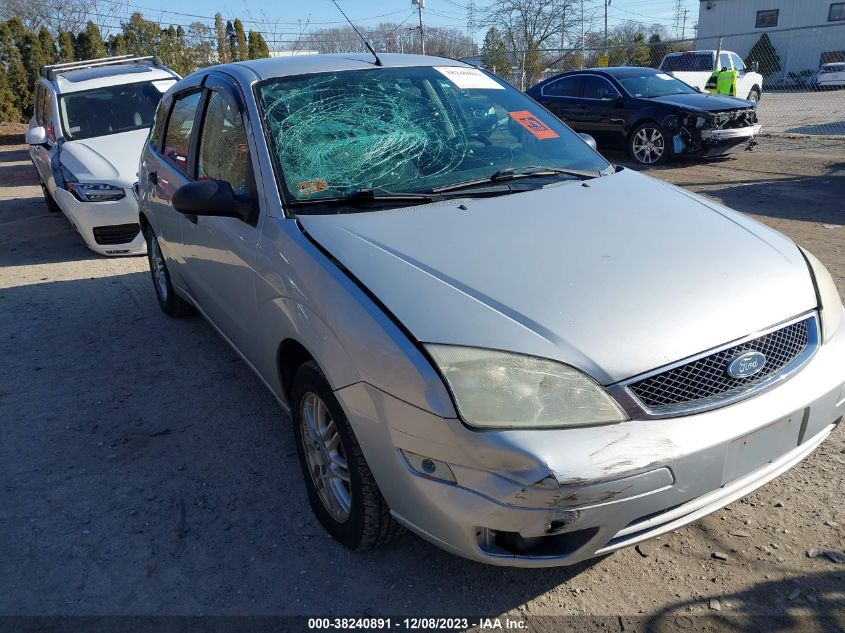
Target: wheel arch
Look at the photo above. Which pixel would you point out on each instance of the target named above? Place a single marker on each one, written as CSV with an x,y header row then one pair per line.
x,y
290,356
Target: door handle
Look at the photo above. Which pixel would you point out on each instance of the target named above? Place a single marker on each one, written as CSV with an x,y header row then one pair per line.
x,y
153,177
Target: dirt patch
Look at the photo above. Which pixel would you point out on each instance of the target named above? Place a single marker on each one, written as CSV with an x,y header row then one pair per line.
x,y
12,133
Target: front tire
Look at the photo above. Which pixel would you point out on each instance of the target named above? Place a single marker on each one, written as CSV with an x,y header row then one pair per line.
x,y
52,205
341,488
754,95
171,303
649,144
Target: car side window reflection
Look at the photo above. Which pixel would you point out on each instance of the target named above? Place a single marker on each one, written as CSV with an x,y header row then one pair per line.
x,y
177,136
223,150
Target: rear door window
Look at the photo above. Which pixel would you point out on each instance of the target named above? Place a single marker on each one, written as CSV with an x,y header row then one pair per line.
x,y
566,87
177,136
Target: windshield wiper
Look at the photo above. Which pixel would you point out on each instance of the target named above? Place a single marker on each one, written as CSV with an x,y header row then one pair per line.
x,y
508,174
365,196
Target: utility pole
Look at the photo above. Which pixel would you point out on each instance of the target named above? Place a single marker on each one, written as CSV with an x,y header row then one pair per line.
x,y
684,25
420,6
606,2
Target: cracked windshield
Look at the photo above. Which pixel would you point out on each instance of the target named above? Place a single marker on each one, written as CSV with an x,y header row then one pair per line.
x,y
410,130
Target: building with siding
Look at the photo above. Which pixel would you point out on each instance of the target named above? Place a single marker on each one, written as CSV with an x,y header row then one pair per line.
x,y
804,33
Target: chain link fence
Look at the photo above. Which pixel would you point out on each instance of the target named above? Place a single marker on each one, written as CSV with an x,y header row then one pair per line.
x,y
798,74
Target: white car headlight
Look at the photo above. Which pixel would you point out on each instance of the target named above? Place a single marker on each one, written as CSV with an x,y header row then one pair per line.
x,y
495,389
830,303
95,191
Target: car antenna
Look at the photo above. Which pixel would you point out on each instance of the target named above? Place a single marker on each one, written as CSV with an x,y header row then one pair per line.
x,y
366,43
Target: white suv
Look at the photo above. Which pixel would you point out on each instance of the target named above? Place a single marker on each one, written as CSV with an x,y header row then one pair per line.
x,y
90,122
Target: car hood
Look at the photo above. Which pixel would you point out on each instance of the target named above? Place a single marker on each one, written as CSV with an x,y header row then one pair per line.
x,y
704,102
113,158
616,277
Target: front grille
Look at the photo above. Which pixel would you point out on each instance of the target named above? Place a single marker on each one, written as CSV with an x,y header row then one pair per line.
x,y
705,381
116,234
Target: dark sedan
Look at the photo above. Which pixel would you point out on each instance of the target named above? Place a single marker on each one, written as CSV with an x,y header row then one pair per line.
x,y
651,114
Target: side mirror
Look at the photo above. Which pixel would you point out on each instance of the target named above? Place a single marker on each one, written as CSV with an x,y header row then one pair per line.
x,y
755,66
214,198
36,136
589,140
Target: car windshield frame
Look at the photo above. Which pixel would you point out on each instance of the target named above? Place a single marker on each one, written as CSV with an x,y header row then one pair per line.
x,y
666,77
66,125
293,204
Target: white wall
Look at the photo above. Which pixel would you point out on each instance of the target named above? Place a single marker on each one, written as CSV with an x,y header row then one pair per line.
x,y
798,50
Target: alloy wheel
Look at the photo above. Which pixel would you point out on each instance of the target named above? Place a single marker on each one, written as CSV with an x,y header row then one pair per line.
x,y
158,268
649,145
326,457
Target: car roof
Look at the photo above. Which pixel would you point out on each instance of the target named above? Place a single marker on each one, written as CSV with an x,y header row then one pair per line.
x,y
612,71
114,75
271,67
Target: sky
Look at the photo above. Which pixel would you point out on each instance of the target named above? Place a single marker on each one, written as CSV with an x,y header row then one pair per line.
x,y
288,17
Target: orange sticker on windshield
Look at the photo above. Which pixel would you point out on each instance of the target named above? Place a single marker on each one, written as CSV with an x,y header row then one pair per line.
x,y
307,187
533,124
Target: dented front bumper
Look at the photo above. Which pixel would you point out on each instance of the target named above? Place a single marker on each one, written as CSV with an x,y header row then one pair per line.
x,y
539,498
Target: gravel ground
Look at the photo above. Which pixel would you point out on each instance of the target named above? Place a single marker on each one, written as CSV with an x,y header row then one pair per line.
x,y
144,469
803,112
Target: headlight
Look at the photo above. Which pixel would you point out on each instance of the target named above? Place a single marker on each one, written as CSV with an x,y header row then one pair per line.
x,y
830,304
90,191
495,389
95,191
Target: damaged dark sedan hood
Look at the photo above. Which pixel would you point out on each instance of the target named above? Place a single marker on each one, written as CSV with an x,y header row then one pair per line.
x,y
616,277
704,102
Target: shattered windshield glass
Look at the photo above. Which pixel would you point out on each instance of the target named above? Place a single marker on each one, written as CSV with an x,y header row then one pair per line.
x,y
409,130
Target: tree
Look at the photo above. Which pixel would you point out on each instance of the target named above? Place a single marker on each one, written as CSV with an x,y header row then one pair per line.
x,y
67,47
532,23
142,37
257,46
48,45
231,41
33,59
116,44
657,50
199,47
221,34
57,15
16,80
89,43
532,65
240,52
764,53
494,53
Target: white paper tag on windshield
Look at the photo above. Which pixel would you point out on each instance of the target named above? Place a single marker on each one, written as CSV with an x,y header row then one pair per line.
x,y
664,76
163,84
468,78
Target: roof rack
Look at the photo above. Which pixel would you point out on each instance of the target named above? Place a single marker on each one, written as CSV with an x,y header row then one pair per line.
x,y
52,70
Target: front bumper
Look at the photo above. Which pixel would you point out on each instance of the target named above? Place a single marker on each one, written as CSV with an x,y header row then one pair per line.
x,y
87,216
731,134
541,498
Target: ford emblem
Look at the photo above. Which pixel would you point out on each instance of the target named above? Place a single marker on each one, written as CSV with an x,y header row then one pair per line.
x,y
746,365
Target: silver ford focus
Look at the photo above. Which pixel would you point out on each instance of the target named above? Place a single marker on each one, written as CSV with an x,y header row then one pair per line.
x,y
482,330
